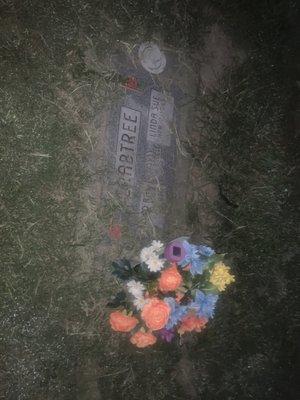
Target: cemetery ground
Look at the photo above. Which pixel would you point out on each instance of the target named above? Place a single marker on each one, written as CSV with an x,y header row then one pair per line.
x,y
55,248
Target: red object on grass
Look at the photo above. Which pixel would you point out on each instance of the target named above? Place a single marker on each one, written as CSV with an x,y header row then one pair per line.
x,y
131,83
115,232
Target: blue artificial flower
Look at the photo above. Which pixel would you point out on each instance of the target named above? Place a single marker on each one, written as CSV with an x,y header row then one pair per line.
x,y
205,251
196,256
204,304
177,312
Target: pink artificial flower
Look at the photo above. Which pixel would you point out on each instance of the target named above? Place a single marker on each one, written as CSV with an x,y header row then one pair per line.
x,y
131,83
115,232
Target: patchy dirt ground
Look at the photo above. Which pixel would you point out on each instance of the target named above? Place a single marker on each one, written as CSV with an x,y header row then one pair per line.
x,y
236,162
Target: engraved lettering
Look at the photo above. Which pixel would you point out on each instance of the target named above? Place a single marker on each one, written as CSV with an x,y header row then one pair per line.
x,y
160,118
125,148
128,139
122,169
129,117
129,128
126,158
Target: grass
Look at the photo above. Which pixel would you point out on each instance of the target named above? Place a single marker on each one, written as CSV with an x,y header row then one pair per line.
x,y
52,345
249,160
39,177
251,347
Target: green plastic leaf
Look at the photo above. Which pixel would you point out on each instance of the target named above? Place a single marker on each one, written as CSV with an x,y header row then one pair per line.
x,y
141,273
186,298
122,269
118,300
210,289
152,287
213,260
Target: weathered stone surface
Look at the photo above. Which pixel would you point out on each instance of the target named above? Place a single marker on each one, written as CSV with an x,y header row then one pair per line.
x,y
142,133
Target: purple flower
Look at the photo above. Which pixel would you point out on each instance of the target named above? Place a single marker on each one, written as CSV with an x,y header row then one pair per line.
x,y
175,251
166,334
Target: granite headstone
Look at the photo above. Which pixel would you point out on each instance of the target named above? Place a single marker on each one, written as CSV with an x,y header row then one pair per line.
x,y
141,133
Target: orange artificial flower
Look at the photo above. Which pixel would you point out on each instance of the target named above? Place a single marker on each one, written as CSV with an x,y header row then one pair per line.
x,y
192,323
156,314
170,279
143,339
122,323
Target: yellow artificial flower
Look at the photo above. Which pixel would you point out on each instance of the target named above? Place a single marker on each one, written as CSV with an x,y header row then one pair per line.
x,y
220,276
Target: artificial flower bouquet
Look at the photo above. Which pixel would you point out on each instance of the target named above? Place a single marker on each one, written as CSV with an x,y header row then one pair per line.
x,y
173,290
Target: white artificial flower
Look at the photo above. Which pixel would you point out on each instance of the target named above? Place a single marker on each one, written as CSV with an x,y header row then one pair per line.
x,y
157,246
146,254
135,288
155,264
140,302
